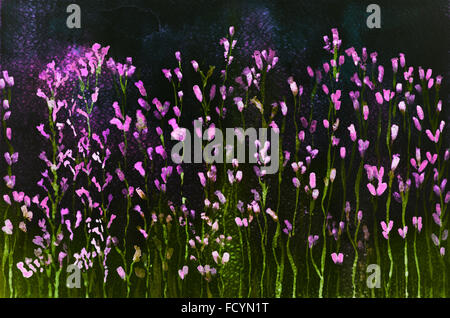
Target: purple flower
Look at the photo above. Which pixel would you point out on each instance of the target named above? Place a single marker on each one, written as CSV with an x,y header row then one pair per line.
x,y
312,239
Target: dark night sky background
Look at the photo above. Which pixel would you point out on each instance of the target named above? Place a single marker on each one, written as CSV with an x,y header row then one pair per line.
x,y
33,32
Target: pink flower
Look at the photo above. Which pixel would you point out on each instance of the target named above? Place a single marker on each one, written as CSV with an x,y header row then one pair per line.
x,y
366,112
8,228
10,181
160,151
231,30
363,145
394,64
140,86
352,131
183,272
121,272
395,161
198,93
167,73
360,215
139,168
296,182
434,138
379,175
8,79
402,232
125,126
402,107
7,199
388,95
178,134
312,180
394,132
337,258
202,178
417,222
387,228
293,86
225,258
379,98
332,174
312,240
335,99
215,256
420,112
194,65
315,194
342,152
431,159
26,273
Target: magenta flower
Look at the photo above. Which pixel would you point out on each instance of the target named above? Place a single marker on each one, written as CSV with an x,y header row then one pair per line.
x,y
434,138
395,161
394,132
140,86
366,112
160,151
379,175
312,180
139,168
202,178
363,145
388,95
10,181
352,131
337,258
198,93
360,215
335,99
342,152
379,98
417,222
124,126
293,86
11,159
394,64
287,230
312,239
8,79
167,74
402,231
183,272
386,228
